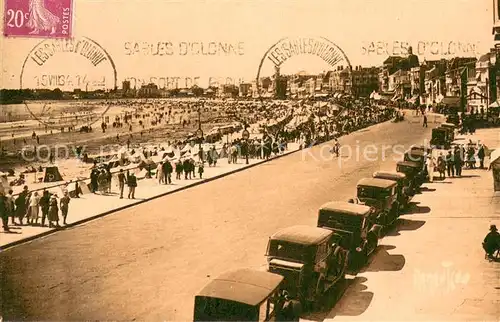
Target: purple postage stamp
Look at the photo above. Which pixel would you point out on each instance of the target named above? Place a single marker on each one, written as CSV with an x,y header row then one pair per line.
x,y
38,18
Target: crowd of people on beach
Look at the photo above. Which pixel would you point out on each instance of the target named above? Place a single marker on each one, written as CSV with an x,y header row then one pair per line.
x,y
278,124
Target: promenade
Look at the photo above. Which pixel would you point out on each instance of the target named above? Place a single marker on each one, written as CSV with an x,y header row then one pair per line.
x,y
91,206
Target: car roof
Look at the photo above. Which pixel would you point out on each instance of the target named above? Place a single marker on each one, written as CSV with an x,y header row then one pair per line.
x,y
246,286
390,175
420,147
376,182
416,152
305,235
448,124
409,164
346,208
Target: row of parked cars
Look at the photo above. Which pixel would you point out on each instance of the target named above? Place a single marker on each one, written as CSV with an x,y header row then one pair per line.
x,y
305,262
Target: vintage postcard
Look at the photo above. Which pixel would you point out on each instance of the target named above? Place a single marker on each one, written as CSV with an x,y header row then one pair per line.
x,y
306,160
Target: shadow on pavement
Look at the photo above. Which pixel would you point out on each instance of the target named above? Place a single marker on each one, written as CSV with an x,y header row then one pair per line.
x,y
427,189
468,176
382,261
405,225
413,208
10,232
354,302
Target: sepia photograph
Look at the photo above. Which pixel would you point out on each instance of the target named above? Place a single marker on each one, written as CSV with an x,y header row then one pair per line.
x,y
280,160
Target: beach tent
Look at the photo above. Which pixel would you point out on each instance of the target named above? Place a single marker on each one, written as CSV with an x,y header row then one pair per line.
x,y
51,174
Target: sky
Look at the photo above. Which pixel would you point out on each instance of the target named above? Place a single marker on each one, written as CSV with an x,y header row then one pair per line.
x,y
366,30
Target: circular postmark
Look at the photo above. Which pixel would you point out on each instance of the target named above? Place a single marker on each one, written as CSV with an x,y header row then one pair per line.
x,y
286,69
68,81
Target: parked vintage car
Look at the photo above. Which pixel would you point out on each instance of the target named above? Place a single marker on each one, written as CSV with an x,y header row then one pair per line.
x,y
403,186
310,259
453,119
425,149
381,195
441,137
355,224
417,156
414,174
242,295
451,128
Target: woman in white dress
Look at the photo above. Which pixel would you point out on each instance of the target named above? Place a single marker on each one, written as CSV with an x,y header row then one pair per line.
x,y
33,208
40,18
431,164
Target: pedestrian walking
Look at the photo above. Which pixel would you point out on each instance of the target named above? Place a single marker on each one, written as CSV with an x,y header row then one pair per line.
x,y
431,164
33,209
21,205
201,169
480,156
441,165
209,159
132,184
457,157
53,212
64,204
159,173
11,208
94,174
186,165
4,212
178,170
450,164
167,171
425,121
102,180
121,182
44,205
192,167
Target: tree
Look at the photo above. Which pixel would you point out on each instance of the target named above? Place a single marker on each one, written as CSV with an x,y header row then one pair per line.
x,y
197,91
57,94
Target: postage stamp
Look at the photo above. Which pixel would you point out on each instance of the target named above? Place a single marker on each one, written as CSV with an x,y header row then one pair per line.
x,y
75,71
299,56
38,18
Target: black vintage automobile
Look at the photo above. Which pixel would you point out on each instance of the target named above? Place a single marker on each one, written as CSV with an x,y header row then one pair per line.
x,y
425,149
403,186
310,259
414,174
242,295
441,137
356,225
417,156
451,128
381,195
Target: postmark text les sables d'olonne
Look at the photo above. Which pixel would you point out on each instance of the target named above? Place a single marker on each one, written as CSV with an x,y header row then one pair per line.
x,y
83,47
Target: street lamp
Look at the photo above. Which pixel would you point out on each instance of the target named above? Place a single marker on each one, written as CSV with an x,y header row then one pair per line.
x,y
246,135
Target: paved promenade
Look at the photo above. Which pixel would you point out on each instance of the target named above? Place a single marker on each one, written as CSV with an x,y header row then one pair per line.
x,y
432,266
90,206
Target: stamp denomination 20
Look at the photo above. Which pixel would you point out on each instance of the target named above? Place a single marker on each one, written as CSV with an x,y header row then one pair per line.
x,y
38,18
